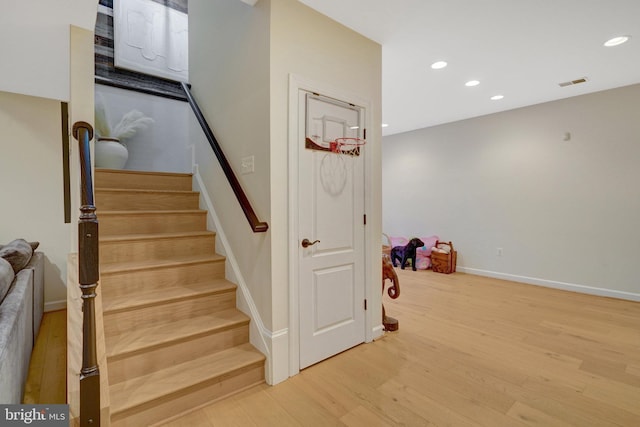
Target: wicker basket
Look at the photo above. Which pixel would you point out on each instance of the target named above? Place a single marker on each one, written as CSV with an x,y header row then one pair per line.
x,y
444,263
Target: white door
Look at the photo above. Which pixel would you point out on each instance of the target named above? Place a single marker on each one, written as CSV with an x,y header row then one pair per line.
x,y
331,212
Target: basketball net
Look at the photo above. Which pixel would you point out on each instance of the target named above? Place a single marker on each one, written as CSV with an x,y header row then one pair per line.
x,y
349,146
338,162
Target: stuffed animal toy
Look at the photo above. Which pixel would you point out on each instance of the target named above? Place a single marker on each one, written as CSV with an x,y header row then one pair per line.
x,y
404,253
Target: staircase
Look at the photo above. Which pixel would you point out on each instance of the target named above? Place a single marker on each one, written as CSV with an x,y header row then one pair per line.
x,y
174,338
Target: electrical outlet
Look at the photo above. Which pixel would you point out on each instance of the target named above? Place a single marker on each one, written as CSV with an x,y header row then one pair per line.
x,y
247,165
499,251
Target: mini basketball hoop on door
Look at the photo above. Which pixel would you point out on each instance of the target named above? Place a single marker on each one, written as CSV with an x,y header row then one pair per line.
x,y
335,168
348,146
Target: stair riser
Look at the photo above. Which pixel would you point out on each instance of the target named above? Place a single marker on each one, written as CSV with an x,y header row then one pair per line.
x,y
161,410
156,249
118,224
115,323
122,201
122,283
142,181
124,368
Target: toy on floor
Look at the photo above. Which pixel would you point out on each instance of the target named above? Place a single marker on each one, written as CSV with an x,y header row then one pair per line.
x,y
404,253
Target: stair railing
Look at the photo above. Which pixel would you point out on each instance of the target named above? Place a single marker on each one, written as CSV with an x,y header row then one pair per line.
x,y
88,271
256,225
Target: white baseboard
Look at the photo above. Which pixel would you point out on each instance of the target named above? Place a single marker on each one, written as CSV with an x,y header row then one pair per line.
x,y
55,305
377,332
279,354
572,287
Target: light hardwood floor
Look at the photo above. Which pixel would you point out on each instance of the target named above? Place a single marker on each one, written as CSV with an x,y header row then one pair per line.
x,y
46,382
470,351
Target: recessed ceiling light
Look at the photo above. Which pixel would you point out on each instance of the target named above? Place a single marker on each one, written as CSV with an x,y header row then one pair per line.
x,y
497,97
616,41
472,83
354,127
384,125
438,65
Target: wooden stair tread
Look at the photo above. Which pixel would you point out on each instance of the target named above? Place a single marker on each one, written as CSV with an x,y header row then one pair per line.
x,y
153,212
152,236
119,267
134,172
134,341
179,292
178,378
143,190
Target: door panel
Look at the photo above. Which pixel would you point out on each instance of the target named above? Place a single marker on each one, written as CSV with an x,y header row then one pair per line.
x,y
331,209
333,306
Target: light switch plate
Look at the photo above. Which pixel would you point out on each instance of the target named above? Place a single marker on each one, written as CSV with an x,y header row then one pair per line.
x,y
247,165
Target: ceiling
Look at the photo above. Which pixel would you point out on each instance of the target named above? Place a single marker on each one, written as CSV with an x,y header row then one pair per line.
x,y
521,49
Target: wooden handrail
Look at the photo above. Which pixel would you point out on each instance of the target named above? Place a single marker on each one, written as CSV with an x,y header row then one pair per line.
x,y
88,273
256,225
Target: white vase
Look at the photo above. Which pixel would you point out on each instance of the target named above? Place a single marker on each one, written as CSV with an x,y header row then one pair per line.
x,y
110,154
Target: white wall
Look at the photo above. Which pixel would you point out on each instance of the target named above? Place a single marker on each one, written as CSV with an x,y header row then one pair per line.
x,y
565,213
229,72
32,188
165,145
35,49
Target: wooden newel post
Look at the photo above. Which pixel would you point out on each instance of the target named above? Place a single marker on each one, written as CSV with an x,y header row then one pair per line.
x,y
89,273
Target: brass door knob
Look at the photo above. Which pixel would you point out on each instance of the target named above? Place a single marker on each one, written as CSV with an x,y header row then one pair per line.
x,y
306,243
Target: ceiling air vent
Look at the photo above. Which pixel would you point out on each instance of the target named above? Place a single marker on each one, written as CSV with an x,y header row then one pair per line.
x,y
573,82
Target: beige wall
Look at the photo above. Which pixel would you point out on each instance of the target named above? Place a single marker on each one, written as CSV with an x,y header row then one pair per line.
x,y
35,47
30,127
241,60
31,163
313,47
565,213
32,187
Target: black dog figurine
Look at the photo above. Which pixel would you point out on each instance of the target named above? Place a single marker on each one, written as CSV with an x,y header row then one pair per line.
x,y
403,253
